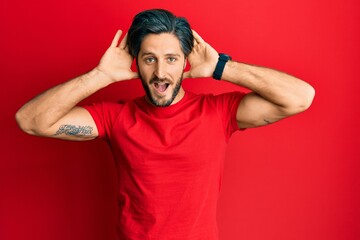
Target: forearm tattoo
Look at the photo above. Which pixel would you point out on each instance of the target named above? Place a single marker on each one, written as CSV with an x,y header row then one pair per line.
x,y
267,121
73,130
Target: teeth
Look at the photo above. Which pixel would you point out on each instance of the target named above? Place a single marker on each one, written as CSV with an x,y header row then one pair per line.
x,y
161,86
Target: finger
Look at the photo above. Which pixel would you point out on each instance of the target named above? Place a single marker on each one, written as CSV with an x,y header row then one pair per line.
x,y
197,37
115,41
123,42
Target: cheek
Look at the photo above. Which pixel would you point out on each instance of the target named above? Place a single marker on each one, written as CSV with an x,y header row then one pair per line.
x,y
145,71
177,69
180,73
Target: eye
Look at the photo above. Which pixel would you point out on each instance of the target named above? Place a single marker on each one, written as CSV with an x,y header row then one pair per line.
x,y
149,60
172,59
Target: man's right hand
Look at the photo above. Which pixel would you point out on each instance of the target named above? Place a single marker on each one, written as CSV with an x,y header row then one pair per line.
x,y
116,61
54,112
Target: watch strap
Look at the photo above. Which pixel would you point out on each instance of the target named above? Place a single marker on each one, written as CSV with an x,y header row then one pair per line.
x,y
223,59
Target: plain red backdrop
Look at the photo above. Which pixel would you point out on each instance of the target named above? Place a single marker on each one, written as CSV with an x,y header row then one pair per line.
x,y
297,179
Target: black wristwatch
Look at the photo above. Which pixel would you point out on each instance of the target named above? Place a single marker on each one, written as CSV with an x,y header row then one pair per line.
x,y
223,59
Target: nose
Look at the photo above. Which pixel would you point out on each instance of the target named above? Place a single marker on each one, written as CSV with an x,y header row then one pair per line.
x,y
160,70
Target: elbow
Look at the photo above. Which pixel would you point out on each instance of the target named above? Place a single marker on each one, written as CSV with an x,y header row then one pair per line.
x,y
302,102
307,98
31,124
24,123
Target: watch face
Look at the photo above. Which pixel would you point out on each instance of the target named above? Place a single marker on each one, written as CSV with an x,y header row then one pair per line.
x,y
224,57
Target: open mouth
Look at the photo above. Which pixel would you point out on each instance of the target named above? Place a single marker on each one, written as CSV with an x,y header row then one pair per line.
x,y
161,86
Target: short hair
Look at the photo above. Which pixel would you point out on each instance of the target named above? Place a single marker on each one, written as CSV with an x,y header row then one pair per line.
x,y
158,21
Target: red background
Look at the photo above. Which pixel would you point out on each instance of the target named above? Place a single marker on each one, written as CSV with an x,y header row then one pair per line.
x,y
297,179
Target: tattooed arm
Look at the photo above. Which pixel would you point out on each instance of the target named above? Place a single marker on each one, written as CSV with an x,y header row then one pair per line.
x,y
49,113
275,95
54,113
72,130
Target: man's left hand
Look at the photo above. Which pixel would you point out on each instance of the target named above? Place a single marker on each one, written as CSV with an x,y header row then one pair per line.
x,y
202,59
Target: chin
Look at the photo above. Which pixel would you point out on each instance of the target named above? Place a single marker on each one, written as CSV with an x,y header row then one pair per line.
x,y
162,102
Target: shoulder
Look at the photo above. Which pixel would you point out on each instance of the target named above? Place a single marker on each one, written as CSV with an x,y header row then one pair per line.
x,y
106,109
224,99
220,103
106,114
103,106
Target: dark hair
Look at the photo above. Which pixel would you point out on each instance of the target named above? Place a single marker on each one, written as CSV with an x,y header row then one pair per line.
x,y
158,21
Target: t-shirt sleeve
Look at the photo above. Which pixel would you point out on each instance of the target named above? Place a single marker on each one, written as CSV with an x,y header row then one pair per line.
x,y
104,115
227,105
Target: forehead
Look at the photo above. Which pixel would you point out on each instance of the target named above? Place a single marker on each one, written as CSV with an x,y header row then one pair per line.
x,y
161,44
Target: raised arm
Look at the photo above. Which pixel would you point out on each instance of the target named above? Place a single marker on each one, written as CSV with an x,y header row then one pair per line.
x,y
54,113
275,95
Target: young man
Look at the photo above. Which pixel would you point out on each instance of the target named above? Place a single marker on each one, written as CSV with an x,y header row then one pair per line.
x,y
170,144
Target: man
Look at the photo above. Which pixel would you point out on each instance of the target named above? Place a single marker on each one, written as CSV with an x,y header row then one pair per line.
x,y
170,144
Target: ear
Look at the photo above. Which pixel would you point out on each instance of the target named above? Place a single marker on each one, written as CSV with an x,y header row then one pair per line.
x,y
185,62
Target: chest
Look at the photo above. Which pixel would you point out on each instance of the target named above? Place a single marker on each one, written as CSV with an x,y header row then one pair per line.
x,y
190,139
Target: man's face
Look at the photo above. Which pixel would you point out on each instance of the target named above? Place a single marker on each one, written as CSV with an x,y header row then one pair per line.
x,y
161,64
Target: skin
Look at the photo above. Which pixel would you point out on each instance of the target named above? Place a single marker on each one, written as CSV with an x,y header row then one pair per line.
x,y
276,95
161,62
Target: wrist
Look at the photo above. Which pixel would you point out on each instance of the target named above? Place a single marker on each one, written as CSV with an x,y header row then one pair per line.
x,y
102,75
97,78
220,66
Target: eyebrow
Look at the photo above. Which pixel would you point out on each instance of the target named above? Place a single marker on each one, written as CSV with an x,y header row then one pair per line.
x,y
167,54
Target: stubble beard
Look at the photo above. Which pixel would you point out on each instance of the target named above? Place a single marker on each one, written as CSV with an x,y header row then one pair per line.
x,y
152,99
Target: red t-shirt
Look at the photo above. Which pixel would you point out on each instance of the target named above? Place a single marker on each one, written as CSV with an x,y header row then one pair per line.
x,y
170,162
